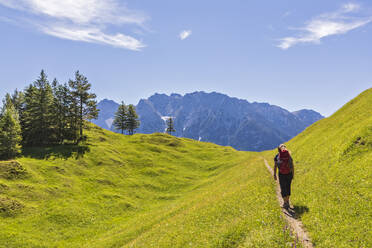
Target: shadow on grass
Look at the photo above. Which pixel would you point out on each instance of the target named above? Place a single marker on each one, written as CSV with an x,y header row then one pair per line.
x,y
300,210
59,151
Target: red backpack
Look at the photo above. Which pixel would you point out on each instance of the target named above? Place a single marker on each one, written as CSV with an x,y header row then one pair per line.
x,y
284,162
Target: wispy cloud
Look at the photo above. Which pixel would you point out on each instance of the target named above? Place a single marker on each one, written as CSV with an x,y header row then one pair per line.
x,y
334,23
350,7
185,34
83,20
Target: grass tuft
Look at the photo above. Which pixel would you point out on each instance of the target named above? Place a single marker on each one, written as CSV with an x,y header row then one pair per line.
x,y
12,170
9,207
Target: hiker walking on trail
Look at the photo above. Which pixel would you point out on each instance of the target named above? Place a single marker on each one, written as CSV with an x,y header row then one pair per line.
x,y
283,161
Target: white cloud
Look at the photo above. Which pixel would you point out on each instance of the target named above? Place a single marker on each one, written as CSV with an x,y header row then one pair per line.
x,y
94,35
328,24
83,20
184,34
350,7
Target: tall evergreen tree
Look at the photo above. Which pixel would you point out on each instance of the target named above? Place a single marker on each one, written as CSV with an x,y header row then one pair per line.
x,y
7,101
37,116
170,126
84,104
18,101
10,132
121,118
132,121
62,112
73,117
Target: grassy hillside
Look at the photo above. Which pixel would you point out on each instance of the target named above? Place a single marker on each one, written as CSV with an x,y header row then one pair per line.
x,y
138,191
333,181
161,191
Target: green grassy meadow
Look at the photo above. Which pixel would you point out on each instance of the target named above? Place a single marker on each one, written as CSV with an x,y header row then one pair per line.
x,y
161,191
332,185
138,191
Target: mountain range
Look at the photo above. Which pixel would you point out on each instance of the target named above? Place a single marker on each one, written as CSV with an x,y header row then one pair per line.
x,y
215,117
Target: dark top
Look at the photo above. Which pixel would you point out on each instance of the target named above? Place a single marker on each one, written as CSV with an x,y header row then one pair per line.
x,y
284,164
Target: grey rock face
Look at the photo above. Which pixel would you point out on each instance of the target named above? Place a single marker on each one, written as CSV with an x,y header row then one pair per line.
x,y
308,116
220,119
106,114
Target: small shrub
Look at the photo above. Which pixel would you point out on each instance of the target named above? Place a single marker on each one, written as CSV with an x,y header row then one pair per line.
x,y
12,170
9,207
3,187
175,143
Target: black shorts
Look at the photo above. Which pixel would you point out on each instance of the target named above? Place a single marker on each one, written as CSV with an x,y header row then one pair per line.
x,y
285,184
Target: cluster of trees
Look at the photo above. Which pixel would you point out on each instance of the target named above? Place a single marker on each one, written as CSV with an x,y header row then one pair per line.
x,y
126,119
46,114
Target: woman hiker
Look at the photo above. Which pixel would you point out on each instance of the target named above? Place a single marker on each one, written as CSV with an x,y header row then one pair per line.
x,y
283,161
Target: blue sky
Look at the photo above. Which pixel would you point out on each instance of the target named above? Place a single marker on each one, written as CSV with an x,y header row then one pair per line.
x,y
296,54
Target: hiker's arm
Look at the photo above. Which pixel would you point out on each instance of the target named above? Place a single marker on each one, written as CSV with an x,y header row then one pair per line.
x,y
275,167
292,167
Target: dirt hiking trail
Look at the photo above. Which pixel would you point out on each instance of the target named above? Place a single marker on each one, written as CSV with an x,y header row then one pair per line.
x,y
294,223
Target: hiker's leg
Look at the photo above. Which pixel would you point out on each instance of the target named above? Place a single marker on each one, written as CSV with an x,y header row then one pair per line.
x,y
286,188
289,186
281,184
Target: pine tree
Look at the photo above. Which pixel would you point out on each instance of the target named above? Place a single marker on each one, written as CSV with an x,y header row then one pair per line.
x,y
18,101
62,114
37,116
121,117
170,126
10,132
132,121
26,119
6,102
84,104
73,117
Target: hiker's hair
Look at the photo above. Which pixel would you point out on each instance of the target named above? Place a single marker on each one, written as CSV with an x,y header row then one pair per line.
x,y
280,146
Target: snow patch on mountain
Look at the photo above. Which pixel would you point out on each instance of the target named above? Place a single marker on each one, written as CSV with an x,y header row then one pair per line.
x,y
165,118
109,122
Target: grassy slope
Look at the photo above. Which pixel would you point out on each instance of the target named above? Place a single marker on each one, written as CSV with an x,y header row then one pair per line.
x,y
140,191
333,178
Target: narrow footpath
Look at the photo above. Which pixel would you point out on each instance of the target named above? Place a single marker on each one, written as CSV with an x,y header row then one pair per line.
x,y
295,224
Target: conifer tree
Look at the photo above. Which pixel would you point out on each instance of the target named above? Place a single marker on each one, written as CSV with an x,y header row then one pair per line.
x,y
26,119
170,126
84,104
121,118
37,116
18,101
132,121
10,132
62,113
7,101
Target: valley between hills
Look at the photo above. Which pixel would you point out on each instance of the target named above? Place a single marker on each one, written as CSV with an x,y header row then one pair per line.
x,y
157,190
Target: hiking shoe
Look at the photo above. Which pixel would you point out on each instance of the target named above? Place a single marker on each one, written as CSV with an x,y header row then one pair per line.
x,y
286,205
